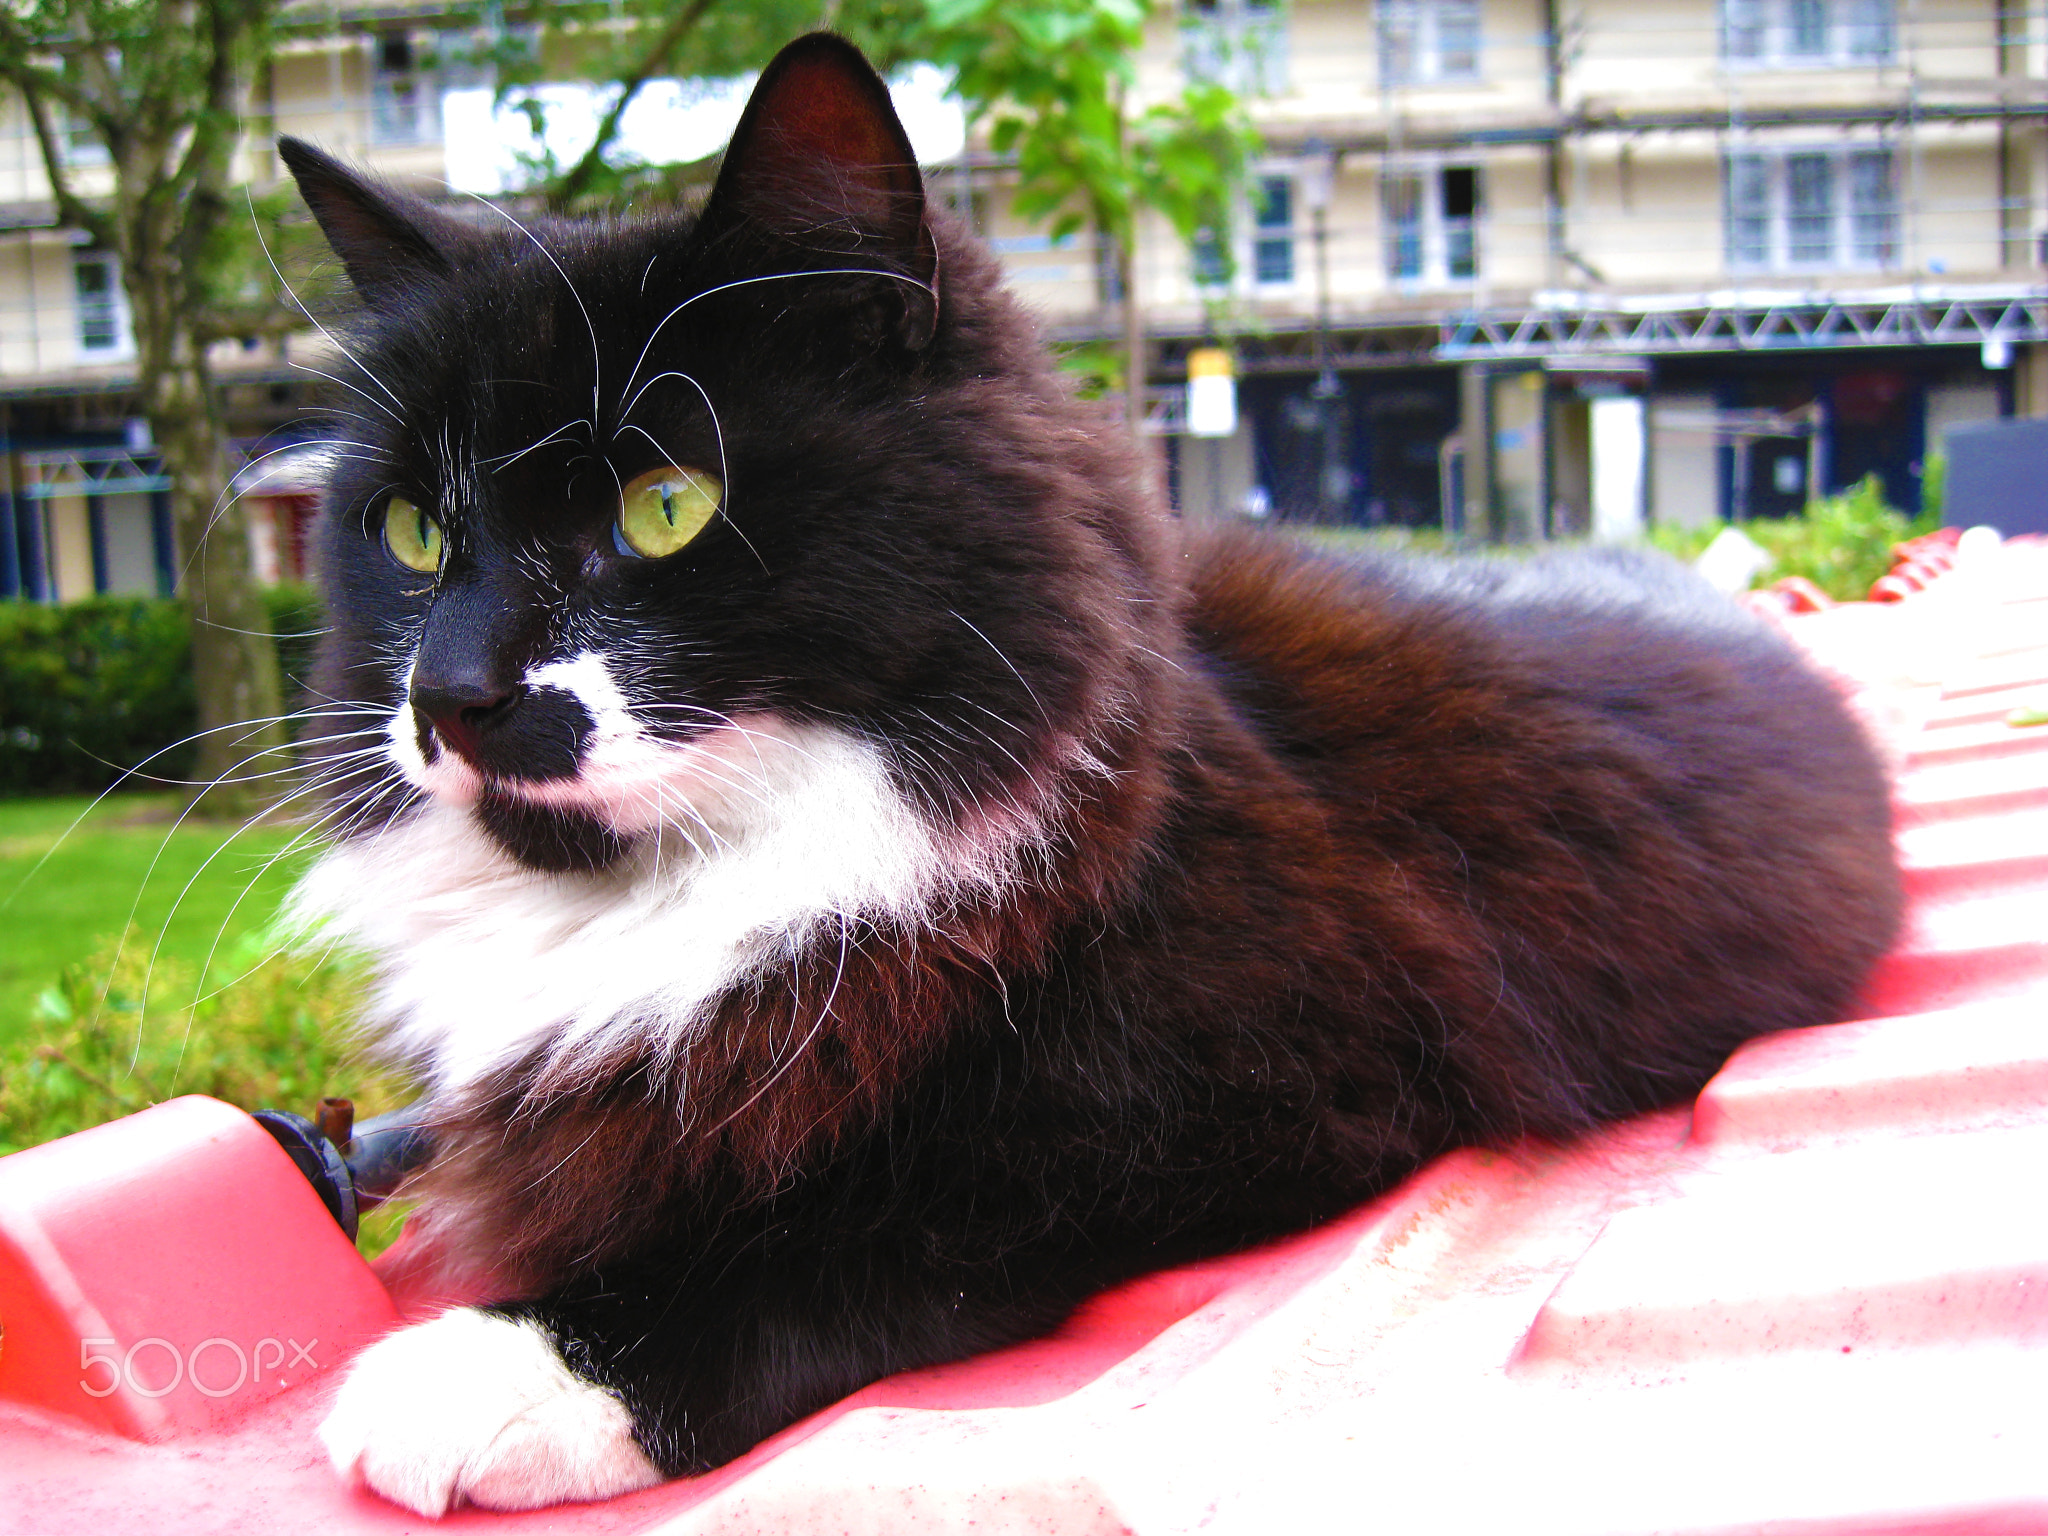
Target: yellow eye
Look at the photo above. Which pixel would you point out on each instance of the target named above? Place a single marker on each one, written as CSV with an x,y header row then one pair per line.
x,y
413,538
666,508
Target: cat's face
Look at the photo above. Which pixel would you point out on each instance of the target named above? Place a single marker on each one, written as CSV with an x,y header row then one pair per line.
x,y
629,515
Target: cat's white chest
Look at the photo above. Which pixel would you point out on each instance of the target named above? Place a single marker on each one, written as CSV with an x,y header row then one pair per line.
x,y
779,838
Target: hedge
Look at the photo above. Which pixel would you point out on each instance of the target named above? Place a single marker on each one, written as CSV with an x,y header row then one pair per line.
x,y
93,688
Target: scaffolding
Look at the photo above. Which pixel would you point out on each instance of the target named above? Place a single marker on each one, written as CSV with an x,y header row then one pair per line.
x,y
1738,323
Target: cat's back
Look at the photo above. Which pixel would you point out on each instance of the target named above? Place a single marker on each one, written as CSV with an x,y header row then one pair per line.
x,y
1615,798
1328,655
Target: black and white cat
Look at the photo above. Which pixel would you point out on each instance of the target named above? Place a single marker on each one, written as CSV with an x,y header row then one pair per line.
x,y
856,877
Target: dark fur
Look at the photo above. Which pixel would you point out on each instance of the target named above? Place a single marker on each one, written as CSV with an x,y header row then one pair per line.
x,y
1393,857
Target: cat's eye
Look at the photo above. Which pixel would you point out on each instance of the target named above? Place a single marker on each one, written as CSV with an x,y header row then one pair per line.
x,y
664,509
413,538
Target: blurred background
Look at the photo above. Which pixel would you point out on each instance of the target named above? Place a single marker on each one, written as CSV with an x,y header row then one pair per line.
x,y
1434,272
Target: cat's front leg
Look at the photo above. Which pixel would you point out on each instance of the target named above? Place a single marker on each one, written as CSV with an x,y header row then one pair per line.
x,y
473,1407
718,1350
661,1368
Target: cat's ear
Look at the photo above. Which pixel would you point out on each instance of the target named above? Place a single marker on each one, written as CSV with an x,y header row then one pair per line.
x,y
387,242
820,161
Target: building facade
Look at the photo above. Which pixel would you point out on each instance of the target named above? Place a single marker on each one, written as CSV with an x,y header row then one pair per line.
x,y
1514,268
1539,267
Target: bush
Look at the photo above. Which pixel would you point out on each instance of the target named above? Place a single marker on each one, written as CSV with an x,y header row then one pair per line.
x,y
1842,544
268,1032
1933,491
90,688
116,1034
93,688
297,620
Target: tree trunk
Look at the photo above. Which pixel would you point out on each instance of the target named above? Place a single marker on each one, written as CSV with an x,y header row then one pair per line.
x,y
162,94
1134,335
242,744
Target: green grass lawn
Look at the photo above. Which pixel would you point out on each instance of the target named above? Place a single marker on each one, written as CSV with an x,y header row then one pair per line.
x,y
127,856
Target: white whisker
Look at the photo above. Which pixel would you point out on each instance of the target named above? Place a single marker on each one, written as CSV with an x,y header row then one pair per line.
x,y
596,358
748,282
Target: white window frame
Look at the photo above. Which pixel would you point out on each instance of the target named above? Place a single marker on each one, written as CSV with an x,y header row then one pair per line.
x,y
1444,241
1429,42
112,305
1813,216
405,103
1808,34
1241,44
1249,235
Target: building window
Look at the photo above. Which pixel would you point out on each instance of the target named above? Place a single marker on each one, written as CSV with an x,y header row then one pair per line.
x,y
405,98
1812,209
1273,231
1238,43
1431,224
1796,34
1423,41
1271,202
101,307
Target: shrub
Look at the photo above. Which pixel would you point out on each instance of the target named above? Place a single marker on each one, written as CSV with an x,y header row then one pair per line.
x,y
92,688
116,1034
1933,491
268,1032
297,620
1842,544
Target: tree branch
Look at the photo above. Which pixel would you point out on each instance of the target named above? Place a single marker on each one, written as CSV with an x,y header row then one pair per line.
x,y
577,179
71,208
217,126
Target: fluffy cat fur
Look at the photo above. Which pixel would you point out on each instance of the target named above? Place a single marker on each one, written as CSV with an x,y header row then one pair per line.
x,y
948,884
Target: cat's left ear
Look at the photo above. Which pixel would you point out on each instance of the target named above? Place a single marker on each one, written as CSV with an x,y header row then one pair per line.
x,y
820,161
388,242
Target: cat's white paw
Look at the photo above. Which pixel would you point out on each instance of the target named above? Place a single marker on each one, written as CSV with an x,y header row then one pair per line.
x,y
479,1409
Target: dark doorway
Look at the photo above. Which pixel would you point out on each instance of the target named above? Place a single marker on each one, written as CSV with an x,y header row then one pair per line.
x,y
1366,456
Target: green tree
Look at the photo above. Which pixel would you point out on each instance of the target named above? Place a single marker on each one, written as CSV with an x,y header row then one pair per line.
x,y
626,45
160,85
1053,80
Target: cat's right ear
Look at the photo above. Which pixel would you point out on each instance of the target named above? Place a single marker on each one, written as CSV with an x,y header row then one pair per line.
x,y
387,242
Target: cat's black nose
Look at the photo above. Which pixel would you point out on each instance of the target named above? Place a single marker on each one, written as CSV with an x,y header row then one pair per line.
x,y
507,730
460,711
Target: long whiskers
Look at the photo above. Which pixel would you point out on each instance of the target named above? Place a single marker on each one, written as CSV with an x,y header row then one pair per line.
x,y
748,282
328,820
1005,660
291,294
499,463
135,772
134,906
596,356
790,1059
